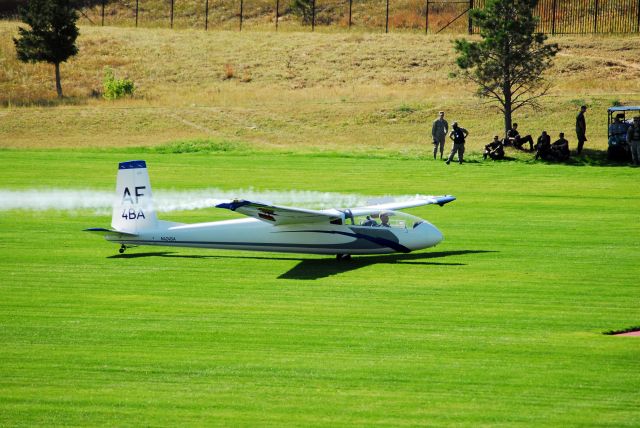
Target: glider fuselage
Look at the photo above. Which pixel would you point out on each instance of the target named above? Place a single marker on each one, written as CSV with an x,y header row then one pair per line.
x,y
256,235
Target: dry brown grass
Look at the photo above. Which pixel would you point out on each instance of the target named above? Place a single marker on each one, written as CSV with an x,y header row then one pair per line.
x,y
336,91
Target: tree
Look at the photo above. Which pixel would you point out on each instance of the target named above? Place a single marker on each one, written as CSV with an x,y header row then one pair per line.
x,y
52,36
303,8
507,64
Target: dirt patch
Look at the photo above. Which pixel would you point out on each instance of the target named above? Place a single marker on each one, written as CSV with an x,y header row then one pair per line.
x,y
631,331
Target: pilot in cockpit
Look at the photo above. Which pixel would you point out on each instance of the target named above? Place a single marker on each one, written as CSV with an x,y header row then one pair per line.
x,y
384,219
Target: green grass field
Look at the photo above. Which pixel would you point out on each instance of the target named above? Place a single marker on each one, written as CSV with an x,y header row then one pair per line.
x,y
500,325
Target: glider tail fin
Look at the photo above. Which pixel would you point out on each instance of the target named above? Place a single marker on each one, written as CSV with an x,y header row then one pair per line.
x,y
133,210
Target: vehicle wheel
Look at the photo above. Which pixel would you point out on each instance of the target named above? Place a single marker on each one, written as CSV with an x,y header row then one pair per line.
x,y
122,249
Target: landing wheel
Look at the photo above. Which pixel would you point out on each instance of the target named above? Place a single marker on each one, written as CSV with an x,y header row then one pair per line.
x,y
122,248
340,257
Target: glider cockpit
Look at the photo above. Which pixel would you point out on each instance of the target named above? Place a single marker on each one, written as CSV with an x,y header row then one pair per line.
x,y
385,218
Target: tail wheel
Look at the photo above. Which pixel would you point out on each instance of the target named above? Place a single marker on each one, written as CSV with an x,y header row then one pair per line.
x,y
341,257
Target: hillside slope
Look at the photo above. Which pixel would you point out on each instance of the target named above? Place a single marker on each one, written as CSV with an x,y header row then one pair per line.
x,y
322,91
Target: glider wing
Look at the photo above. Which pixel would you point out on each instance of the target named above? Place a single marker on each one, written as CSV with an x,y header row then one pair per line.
x,y
278,215
407,203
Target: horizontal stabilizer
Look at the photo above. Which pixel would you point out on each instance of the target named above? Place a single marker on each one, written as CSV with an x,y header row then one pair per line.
x,y
103,231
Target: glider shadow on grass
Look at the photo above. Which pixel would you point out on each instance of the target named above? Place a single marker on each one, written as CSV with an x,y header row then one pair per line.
x,y
319,268
309,269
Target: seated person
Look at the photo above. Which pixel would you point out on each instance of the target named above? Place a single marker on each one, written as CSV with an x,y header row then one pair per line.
x,y
495,149
514,138
618,130
369,222
384,220
543,146
560,148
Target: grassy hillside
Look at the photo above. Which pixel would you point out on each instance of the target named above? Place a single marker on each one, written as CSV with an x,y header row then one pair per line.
x,y
345,92
499,325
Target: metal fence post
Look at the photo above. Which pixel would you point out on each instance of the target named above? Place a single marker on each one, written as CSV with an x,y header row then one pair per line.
x,y
313,15
554,6
350,5
171,17
103,12
206,15
638,23
595,18
470,26
136,13
386,26
241,11
277,13
426,19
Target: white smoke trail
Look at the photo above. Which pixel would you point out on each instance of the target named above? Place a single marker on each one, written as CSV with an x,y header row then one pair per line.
x,y
174,200
53,199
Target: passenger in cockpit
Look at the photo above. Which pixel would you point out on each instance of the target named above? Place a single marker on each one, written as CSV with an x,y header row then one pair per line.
x,y
369,222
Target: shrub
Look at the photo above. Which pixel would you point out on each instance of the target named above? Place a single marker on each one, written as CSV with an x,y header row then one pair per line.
x,y
229,72
198,145
116,88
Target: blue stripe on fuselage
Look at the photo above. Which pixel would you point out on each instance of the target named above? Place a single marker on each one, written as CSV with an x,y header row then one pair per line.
x,y
383,242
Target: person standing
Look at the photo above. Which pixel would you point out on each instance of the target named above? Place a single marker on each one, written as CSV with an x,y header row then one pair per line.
x,y
581,128
458,135
633,138
439,131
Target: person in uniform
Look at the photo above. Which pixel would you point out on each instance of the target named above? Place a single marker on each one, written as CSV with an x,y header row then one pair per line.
x,y
581,128
458,135
439,131
618,130
560,148
633,139
543,146
494,150
514,138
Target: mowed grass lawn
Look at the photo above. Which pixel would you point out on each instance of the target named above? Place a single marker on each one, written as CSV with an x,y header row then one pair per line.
x,y
499,325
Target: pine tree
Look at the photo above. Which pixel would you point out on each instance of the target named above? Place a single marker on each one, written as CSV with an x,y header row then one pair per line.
x,y
303,8
52,36
508,63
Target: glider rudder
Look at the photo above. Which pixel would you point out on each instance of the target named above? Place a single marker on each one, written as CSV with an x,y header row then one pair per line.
x,y
133,209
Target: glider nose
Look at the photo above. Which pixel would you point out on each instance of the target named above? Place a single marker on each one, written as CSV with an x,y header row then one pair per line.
x,y
430,235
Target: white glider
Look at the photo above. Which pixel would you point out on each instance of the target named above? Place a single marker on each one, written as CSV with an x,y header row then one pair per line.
x,y
376,229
